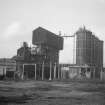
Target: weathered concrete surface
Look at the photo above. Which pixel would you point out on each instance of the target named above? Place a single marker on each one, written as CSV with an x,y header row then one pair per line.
x,y
52,93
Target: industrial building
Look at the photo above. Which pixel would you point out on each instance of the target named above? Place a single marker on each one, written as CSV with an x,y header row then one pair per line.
x,y
89,51
88,56
41,61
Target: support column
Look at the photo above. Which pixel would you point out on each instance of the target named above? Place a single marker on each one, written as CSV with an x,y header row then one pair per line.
x,y
86,72
80,73
23,73
4,71
14,75
90,71
58,72
35,71
50,70
61,73
94,73
55,71
101,77
43,71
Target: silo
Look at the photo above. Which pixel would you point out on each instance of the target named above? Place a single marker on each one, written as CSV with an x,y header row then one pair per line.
x,y
80,46
83,47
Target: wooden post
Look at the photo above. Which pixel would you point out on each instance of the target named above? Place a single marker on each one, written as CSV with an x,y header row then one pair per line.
x,y
43,71
35,71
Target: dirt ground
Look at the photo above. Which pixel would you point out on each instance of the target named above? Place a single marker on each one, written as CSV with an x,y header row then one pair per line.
x,y
52,93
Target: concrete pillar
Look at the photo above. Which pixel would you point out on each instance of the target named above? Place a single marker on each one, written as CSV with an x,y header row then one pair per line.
x,y
86,72
14,75
4,71
90,72
23,73
80,73
61,74
35,71
101,77
55,71
43,71
94,73
50,70
58,72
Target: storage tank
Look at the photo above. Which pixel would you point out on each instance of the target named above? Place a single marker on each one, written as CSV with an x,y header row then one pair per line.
x,y
83,47
42,36
80,47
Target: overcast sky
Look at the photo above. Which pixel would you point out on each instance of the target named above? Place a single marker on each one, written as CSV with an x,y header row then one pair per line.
x,y
19,17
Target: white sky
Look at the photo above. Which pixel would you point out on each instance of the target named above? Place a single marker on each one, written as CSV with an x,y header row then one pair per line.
x,y
19,17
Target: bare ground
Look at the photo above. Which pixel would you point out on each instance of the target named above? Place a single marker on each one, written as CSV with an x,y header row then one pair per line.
x,y
52,93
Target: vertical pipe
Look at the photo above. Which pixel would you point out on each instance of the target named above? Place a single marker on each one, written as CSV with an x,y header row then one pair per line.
x,y
43,71
35,71
74,50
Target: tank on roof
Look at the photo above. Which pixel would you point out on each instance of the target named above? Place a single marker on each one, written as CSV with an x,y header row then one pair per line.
x,y
42,36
